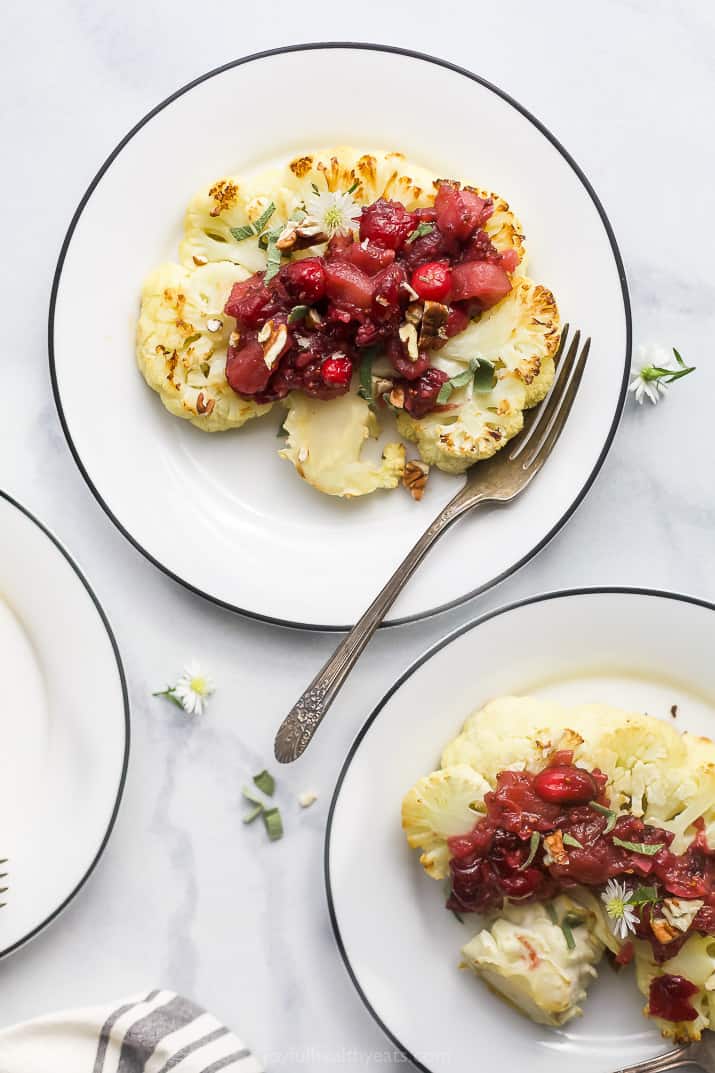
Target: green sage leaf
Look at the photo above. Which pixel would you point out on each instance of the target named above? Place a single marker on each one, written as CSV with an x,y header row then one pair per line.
x,y
260,223
274,823
533,850
608,812
297,313
242,233
643,848
265,782
569,840
425,228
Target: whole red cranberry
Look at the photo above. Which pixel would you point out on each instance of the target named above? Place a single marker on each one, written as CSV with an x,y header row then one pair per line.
x,y
387,223
305,280
565,785
432,281
337,371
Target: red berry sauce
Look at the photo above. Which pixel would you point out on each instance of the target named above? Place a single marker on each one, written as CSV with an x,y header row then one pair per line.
x,y
670,998
358,292
490,863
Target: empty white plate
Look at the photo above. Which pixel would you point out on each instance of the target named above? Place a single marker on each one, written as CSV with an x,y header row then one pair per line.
x,y
64,727
222,513
643,651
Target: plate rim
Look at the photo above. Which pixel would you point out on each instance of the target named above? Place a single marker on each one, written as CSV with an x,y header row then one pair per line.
x,y
50,919
364,46
453,635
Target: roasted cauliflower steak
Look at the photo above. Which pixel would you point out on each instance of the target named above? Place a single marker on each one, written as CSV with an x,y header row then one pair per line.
x,y
653,772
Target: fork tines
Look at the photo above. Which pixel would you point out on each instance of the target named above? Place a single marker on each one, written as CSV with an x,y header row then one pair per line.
x,y
544,425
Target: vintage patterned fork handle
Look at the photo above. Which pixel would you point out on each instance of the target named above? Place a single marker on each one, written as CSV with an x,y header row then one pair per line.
x,y
299,726
680,1056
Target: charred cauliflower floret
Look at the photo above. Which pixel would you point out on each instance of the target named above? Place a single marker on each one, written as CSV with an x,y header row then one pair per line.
x,y
519,336
373,174
440,806
521,332
230,204
524,957
325,443
384,174
480,425
182,337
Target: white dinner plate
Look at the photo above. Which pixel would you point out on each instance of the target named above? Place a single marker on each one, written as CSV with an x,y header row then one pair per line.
x,y
222,513
64,727
638,650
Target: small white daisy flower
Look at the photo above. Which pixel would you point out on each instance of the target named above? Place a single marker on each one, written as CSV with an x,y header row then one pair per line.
x,y
616,898
652,370
191,691
334,211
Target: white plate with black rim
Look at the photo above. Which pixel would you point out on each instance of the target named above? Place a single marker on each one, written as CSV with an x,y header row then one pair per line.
x,y
64,727
223,514
399,944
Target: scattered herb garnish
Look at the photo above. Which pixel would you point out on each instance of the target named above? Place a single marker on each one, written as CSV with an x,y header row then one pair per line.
x,y
479,370
315,188
570,921
353,187
569,840
273,256
533,850
425,228
263,219
249,794
191,339
253,814
674,710
297,313
365,389
644,896
640,847
274,823
552,913
243,232
608,812
248,230
265,782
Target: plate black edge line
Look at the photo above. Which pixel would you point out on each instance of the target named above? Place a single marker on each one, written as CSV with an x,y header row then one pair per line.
x,y
447,65
7,951
453,635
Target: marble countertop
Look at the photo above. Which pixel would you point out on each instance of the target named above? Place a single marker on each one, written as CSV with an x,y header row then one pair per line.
x,y
186,897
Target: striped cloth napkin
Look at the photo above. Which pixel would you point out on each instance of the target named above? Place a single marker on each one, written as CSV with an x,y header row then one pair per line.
x,y
155,1032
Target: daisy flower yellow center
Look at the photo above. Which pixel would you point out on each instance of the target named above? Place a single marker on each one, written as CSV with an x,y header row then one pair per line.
x,y
333,218
199,685
616,907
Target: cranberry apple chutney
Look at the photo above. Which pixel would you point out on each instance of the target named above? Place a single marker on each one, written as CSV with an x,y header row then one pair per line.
x,y
582,829
360,292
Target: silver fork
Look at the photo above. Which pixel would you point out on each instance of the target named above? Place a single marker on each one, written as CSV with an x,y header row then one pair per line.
x,y
498,480
700,1054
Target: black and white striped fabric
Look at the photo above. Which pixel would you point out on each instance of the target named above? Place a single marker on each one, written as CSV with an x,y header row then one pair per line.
x,y
156,1032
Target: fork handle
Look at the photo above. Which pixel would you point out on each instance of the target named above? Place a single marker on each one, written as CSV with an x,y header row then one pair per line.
x,y
297,729
680,1056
